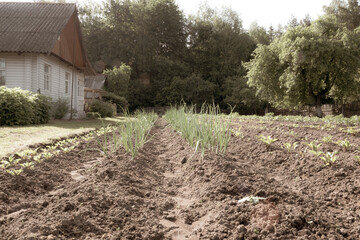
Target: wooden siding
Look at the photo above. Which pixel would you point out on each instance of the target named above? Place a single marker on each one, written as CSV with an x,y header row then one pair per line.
x,y
26,71
15,70
69,43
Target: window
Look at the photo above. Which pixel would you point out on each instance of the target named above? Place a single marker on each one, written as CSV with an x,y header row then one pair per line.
x,y
47,76
2,72
67,81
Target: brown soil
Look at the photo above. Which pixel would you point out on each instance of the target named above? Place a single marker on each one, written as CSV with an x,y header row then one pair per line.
x,y
168,192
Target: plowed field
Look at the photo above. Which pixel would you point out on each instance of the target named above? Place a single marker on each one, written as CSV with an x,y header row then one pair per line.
x,y
169,192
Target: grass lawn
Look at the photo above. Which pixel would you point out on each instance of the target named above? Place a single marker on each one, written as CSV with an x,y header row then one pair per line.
x,y
13,139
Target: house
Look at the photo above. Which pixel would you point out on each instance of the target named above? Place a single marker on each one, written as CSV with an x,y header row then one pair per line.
x,y
41,50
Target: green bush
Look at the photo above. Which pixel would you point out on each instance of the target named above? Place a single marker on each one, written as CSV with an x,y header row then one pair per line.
x,y
21,107
60,108
121,102
105,109
42,109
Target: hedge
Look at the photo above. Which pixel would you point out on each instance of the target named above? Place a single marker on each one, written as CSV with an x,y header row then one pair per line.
x,y
21,107
105,109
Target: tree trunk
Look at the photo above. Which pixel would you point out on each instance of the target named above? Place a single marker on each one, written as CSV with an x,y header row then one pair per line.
x,y
267,108
319,112
343,109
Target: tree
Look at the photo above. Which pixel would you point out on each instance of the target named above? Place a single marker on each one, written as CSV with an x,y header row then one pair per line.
x,y
346,12
117,80
259,34
307,65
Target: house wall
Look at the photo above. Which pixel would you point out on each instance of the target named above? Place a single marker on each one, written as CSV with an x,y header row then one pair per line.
x,y
26,71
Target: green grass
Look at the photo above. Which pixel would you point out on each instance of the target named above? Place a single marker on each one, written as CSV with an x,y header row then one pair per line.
x,y
13,139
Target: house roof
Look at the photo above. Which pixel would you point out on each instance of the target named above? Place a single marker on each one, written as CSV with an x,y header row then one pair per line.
x,y
32,27
95,82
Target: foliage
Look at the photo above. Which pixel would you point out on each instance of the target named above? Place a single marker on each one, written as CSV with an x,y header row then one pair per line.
x,y
192,89
206,130
329,158
21,107
238,93
117,80
307,65
290,147
346,12
120,102
105,109
268,140
134,132
60,108
345,144
167,50
42,109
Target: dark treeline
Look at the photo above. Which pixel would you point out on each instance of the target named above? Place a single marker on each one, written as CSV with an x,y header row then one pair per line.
x,y
174,57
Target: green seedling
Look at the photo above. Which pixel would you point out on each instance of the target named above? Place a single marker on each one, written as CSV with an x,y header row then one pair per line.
x,y
290,147
327,139
27,165
47,155
316,153
207,130
15,172
352,130
345,144
357,158
26,153
313,146
251,199
236,132
329,158
37,158
292,133
67,149
267,140
4,164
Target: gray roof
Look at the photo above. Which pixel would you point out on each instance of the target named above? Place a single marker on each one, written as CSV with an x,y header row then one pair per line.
x,y
95,82
32,27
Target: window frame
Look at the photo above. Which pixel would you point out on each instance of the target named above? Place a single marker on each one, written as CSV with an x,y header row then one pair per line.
x,y
3,71
67,83
47,77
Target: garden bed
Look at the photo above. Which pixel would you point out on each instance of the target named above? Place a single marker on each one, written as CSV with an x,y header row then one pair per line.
x,y
168,192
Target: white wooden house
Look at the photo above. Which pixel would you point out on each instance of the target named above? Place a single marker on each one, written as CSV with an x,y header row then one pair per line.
x,y
41,50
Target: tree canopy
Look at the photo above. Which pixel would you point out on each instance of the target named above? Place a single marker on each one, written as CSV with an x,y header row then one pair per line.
x,y
209,56
307,65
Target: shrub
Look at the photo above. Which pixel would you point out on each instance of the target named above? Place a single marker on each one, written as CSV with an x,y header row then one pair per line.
x,y
60,108
21,107
121,102
105,109
42,109
117,80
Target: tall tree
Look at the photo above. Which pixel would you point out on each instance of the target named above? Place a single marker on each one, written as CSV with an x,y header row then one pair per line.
x,y
347,12
307,65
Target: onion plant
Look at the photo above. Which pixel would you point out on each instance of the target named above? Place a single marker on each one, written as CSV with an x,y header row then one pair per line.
x,y
134,132
205,130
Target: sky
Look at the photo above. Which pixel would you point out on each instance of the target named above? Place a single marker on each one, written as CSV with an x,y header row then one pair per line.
x,y
264,12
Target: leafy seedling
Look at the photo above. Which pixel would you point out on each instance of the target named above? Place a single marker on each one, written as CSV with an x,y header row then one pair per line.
x,y
267,140
251,199
290,147
329,158
357,158
345,144
313,146
327,139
